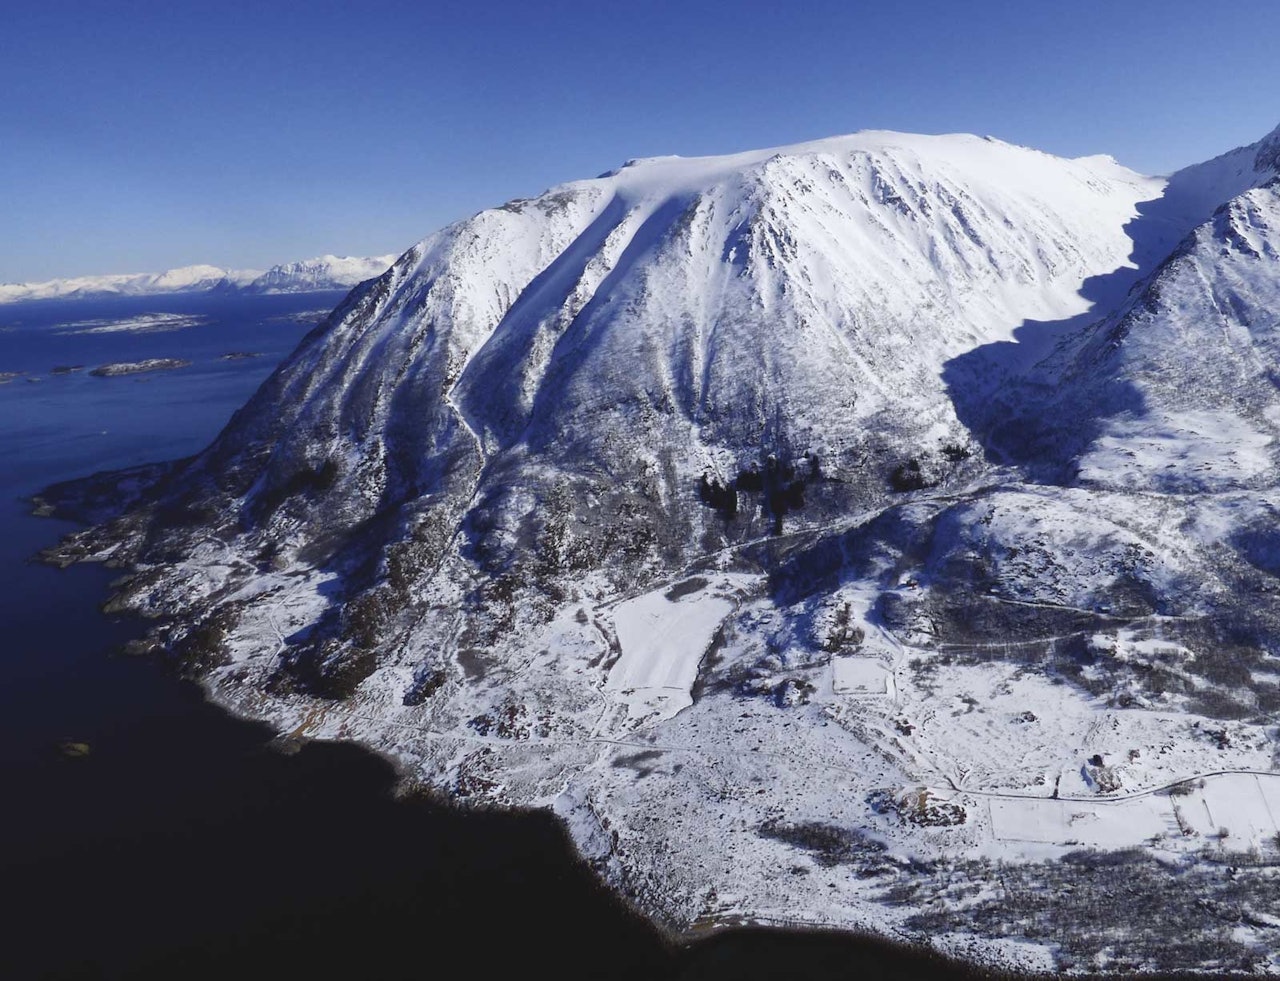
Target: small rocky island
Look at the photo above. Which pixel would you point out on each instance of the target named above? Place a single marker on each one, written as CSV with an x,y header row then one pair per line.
x,y
139,367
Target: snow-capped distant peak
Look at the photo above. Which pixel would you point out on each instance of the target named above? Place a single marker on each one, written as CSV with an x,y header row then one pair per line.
x,y
185,279
327,272
321,273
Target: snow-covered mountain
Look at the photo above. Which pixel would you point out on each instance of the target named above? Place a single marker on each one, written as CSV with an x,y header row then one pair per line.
x,y
188,279
687,317
810,529
1196,336
1188,369
328,272
308,275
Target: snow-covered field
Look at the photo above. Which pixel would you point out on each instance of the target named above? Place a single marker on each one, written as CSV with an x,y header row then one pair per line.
x,y
1235,809
855,675
664,636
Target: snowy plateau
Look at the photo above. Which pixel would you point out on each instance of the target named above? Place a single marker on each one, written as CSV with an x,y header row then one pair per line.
x,y
880,533
328,272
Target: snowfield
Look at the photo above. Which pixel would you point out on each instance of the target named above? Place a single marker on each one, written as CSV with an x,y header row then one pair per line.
x,y
1235,807
878,533
664,636
857,675
1215,450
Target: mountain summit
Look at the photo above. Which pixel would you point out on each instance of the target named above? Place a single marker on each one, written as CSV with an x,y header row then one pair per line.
x,y
327,272
810,529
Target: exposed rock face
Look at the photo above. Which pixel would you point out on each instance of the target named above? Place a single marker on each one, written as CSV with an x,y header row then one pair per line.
x,y
846,500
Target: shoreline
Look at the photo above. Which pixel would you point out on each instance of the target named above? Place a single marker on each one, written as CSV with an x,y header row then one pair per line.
x,y
679,941
962,955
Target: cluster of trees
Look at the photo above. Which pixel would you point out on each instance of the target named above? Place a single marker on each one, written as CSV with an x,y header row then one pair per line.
x,y
306,480
780,484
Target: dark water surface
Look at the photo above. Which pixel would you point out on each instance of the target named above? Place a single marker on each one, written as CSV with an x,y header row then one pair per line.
x,y
183,845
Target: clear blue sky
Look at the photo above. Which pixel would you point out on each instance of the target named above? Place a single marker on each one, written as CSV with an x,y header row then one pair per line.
x,y
145,135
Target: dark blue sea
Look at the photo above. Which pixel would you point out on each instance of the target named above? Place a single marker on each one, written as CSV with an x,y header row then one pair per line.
x,y
183,845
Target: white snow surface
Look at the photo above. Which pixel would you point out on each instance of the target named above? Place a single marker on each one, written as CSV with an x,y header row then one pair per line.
x,y
1215,449
1180,382
859,264
664,637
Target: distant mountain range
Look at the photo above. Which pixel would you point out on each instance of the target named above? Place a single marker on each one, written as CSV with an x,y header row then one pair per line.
x,y
327,272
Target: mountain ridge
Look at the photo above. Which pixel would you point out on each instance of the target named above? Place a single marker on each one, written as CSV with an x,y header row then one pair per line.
x,y
327,272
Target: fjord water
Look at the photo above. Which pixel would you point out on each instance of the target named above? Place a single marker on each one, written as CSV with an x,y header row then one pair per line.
x,y
183,845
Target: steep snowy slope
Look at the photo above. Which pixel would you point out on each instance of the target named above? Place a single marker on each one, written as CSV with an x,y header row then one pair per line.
x,y
1195,192
1190,399
1175,389
785,298
809,528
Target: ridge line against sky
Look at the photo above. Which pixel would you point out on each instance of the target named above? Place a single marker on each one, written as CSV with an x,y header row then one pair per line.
x,y
168,134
